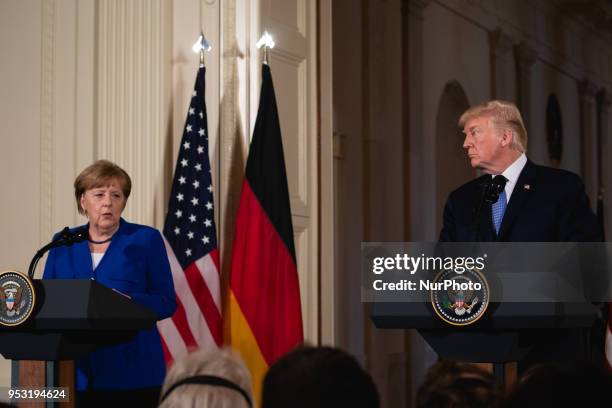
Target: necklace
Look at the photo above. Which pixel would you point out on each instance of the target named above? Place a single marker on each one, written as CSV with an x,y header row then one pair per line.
x,y
101,242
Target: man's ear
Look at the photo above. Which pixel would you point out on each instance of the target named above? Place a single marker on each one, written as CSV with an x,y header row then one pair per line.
x,y
507,137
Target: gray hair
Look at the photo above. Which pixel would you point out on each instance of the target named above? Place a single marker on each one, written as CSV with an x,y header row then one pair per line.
x,y
222,363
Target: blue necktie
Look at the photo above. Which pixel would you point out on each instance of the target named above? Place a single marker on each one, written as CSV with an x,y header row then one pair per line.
x,y
499,207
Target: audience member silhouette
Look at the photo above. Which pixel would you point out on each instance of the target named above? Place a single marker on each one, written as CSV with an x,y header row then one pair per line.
x,y
216,379
458,385
557,385
322,377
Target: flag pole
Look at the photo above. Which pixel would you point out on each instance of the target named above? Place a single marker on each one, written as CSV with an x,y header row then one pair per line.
x,y
266,41
190,235
201,45
265,321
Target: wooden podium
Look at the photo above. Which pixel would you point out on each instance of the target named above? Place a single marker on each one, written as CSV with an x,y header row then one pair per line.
x,y
71,319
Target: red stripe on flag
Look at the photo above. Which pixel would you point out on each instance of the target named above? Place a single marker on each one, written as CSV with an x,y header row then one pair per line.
x,y
182,325
214,254
202,295
167,356
264,280
198,322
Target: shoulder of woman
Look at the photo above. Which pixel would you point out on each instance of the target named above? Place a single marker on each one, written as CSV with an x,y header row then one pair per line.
x,y
140,229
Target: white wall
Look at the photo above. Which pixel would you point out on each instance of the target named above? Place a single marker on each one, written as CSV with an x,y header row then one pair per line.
x,y
20,109
453,51
20,112
549,81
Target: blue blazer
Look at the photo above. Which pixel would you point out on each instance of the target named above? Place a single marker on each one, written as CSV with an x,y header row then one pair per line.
x,y
546,205
136,264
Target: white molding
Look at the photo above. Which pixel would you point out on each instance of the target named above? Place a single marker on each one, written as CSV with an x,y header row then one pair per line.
x,y
47,122
330,148
84,137
239,80
67,95
234,114
133,99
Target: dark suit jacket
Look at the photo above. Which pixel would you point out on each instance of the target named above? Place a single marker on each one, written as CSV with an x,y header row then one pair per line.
x,y
136,264
546,205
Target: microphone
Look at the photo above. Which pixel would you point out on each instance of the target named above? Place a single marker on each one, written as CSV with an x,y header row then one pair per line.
x,y
68,238
485,188
495,187
490,190
65,238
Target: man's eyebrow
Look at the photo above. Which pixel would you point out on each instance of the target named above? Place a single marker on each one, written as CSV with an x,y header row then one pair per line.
x,y
470,129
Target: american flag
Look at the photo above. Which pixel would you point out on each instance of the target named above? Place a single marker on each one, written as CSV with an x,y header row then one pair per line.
x,y
191,241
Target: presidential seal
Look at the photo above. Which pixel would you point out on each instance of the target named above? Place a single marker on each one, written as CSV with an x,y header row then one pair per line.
x,y
460,298
17,298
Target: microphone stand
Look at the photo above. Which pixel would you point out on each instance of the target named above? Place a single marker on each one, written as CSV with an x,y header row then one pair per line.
x,y
490,192
66,238
484,195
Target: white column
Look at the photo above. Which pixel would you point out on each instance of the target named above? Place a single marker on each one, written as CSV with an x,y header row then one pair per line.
x,y
420,148
134,99
501,60
349,128
384,176
606,156
526,56
328,181
293,62
421,195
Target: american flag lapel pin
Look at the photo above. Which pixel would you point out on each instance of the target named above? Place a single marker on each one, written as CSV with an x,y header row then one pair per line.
x,y
527,187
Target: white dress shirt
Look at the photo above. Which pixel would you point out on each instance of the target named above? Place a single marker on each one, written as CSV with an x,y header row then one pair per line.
x,y
512,174
96,257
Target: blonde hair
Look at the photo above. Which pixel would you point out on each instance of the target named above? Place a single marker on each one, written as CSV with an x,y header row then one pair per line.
x,y
503,114
221,363
100,174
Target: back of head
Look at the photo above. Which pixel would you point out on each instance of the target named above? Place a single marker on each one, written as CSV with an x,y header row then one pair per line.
x,y
318,377
221,364
560,385
458,385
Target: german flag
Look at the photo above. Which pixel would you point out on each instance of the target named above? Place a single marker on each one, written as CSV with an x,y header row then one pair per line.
x,y
264,310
